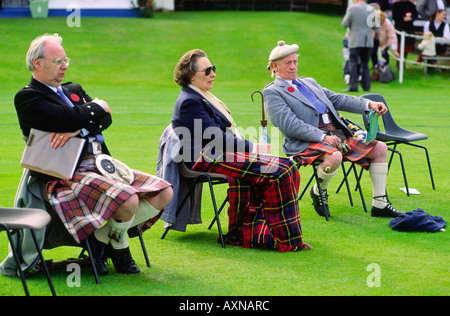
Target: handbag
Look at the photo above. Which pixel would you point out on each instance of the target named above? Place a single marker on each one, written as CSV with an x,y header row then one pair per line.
x,y
41,157
386,75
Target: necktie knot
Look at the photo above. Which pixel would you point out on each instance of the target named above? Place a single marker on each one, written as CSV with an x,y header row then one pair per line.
x,y
60,92
307,93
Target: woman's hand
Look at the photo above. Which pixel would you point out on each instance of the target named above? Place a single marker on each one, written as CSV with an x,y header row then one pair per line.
x,y
60,139
263,148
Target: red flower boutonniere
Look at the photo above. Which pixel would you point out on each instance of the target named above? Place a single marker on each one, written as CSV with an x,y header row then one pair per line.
x,y
291,89
74,97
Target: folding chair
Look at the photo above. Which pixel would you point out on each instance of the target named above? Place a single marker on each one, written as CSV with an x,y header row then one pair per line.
x,y
195,178
25,218
56,234
395,135
345,179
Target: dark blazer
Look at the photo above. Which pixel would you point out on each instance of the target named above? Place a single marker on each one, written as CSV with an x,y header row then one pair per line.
x,y
40,107
199,124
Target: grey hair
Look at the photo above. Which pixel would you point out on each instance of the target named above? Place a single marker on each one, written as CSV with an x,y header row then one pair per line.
x,y
37,48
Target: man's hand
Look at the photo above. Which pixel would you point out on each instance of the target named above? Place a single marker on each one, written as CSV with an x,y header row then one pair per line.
x,y
332,140
103,104
336,142
60,139
379,107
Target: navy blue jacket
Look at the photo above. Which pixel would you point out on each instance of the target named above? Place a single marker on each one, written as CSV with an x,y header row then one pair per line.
x,y
199,124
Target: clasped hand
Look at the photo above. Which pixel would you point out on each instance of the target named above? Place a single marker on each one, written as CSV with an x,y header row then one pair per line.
x,y
336,142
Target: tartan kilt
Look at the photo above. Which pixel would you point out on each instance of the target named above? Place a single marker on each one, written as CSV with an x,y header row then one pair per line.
x,y
86,201
263,200
358,150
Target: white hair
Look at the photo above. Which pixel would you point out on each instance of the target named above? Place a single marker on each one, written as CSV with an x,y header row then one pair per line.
x,y
37,48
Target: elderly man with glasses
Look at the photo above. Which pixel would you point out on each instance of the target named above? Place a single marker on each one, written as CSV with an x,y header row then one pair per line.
x,y
89,204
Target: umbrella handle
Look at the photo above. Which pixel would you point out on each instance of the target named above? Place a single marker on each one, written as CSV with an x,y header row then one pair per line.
x,y
264,121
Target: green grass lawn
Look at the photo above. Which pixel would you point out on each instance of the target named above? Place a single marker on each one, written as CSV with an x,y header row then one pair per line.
x,y
130,62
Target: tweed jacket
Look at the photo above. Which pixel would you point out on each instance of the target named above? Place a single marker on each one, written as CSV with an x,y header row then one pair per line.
x,y
357,18
298,119
426,8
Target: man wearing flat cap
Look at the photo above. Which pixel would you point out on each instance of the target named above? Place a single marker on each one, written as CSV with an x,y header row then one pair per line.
x,y
307,115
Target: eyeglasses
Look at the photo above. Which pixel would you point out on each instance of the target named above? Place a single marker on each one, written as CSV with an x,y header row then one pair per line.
x,y
58,62
208,70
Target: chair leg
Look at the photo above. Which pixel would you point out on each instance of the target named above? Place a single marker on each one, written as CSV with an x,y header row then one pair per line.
x,y
91,258
220,210
358,184
403,167
346,182
216,213
306,187
47,274
428,161
16,259
144,249
325,205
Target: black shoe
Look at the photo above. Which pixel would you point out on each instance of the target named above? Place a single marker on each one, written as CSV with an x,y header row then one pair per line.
x,y
317,202
387,211
123,262
99,253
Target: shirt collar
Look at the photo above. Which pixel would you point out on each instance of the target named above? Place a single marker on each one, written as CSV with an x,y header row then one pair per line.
x,y
288,81
51,87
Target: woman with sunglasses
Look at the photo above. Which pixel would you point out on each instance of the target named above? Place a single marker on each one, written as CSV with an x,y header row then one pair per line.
x,y
263,205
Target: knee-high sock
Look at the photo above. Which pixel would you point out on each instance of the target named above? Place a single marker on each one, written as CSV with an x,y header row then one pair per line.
x,y
118,233
324,179
378,175
144,212
102,233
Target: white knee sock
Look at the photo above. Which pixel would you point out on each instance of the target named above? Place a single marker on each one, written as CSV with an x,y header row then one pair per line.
x,y
378,175
102,233
118,233
144,212
324,179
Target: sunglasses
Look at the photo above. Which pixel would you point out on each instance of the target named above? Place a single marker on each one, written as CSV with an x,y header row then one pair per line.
x,y
208,70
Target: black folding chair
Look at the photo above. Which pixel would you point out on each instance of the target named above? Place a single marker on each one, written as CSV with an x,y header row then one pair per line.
x,y
195,178
344,180
394,135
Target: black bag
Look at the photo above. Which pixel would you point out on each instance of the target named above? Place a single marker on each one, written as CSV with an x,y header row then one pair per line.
x,y
386,75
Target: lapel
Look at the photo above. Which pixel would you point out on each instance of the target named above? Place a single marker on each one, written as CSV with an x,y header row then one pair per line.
x,y
35,84
314,89
210,108
286,88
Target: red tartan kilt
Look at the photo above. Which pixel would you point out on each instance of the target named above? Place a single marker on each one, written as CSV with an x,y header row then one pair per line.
x,y
87,200
358,150
263,206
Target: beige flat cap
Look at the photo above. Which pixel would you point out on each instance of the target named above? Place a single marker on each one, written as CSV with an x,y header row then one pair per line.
x,y
282,50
